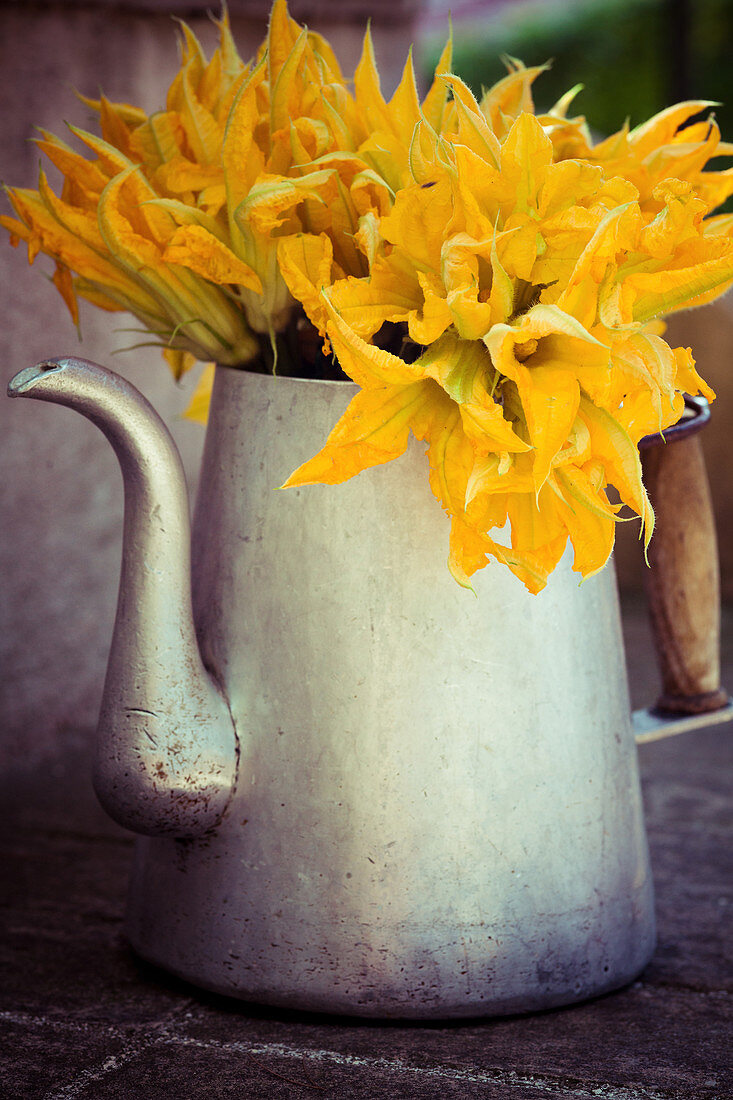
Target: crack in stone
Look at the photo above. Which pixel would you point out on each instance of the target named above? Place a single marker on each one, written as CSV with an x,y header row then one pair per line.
x,y
544,1085
93,1074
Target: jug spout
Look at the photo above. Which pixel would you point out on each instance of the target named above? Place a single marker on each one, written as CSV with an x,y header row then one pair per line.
x,y
166,750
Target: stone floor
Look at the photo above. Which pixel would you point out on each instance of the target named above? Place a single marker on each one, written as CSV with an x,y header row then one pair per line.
x,y
81,1017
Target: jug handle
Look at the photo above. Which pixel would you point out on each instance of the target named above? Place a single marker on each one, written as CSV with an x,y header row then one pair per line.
x,y
682,582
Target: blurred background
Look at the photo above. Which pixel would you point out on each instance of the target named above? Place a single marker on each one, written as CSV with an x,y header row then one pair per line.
x,y
61,498
632,57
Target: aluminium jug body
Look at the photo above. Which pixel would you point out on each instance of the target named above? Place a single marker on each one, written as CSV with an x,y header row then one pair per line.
x,y
436,810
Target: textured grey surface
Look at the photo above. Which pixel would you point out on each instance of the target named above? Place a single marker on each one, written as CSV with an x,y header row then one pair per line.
x,y
61,491
80,1016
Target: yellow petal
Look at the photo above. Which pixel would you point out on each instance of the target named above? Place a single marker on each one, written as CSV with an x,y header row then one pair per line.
x,y
305,262
369,366
283,32
194,247
687,378
590,522
179,175
539,323
662,127
345,133
183,214
473,130
491,475
309,139
205,134
79,221
269,200
566,184
550,405
368,238
114,127
390,293
421,156
191,50
435,102
122,239
539,536
366,85
470,549
180,362
617,233
370,193
198,409
501,299
284,100
577,484
525,158
662,292
63,283
160,139
241,158
417,222
231,61
512,95
404,106
205,314
464,370
111,160
132,115
374,429
73,166
427,324
450,453
45,218
612,446
327,59
86,289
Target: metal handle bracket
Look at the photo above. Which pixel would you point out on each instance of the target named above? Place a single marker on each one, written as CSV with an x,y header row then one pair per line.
x,y
649,726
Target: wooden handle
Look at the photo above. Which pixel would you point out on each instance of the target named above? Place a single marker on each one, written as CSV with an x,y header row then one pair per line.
x,y
683,581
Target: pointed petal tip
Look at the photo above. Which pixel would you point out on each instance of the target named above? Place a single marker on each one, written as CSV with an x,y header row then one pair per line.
x,y
460,577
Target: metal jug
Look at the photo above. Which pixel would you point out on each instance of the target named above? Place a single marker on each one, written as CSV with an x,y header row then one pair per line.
x,y
360,788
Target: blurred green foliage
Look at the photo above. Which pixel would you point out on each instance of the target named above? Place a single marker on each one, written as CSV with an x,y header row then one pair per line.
x,y
621,51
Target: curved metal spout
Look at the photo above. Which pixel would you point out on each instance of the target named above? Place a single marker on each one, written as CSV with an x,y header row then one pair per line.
x,y
166,751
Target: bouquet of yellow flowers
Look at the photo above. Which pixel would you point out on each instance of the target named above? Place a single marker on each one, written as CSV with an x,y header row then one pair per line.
x,y
491,278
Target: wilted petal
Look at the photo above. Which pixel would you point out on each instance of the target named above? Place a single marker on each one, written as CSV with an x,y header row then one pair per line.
x,y
194,247
612,446
369,366
305,262
374,429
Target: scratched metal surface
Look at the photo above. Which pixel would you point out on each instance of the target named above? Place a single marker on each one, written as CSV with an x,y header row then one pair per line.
x,y
81,1017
